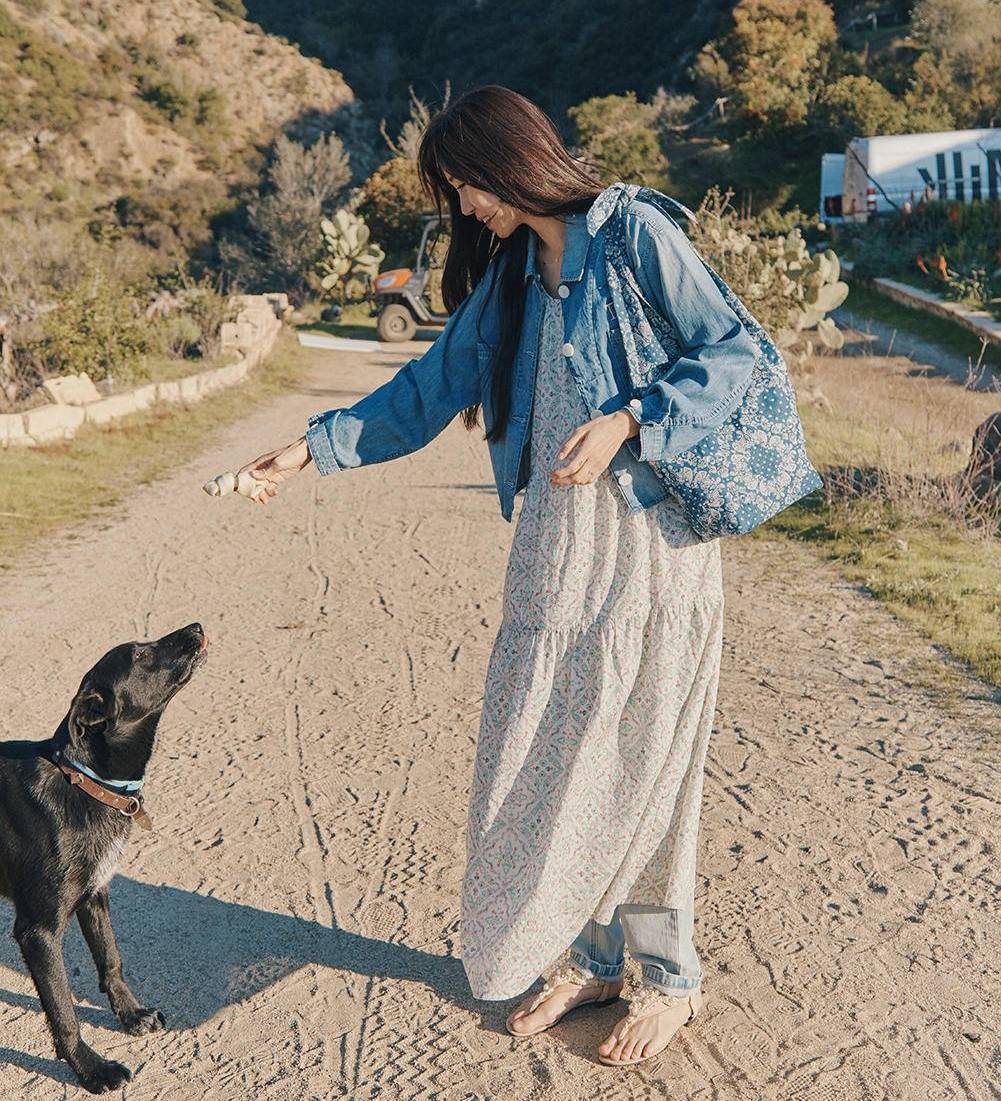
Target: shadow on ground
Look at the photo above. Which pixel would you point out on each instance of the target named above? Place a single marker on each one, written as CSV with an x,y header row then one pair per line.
x,y
206,954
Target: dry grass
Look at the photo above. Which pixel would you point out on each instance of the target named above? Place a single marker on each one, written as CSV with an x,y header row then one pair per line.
x,y
45,488
891,443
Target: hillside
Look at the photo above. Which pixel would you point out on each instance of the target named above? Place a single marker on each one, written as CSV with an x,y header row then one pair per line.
x,y
119,101
557,54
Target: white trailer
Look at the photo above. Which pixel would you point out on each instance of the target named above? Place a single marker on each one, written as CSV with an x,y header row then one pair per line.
x,y
832,173
883,174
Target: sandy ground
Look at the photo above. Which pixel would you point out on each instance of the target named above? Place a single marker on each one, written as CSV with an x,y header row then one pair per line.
x,y
294,914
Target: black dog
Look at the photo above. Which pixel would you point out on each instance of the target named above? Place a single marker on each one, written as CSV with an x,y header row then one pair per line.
x,y
66,807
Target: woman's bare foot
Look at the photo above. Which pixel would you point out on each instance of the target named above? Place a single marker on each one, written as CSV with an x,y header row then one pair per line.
x,y
564,990
652,1022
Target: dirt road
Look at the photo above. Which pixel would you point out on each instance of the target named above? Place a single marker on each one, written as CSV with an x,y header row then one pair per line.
x,y
294,914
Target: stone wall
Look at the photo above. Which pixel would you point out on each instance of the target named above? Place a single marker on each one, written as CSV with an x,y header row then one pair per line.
x,y
977,321
252,336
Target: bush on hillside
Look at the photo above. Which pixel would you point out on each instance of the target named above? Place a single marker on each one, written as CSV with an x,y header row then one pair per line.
x,y
97,327
393,205
856,106
620,135
770,62
281,243
955,77
43,84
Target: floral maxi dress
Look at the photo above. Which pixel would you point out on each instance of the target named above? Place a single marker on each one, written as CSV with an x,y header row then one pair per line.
x,y
598,705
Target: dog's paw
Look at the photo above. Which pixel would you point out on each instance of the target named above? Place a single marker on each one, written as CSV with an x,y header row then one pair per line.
x,y
103,1075
141,1020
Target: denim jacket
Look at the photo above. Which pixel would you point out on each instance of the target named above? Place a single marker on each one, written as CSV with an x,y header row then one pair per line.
x,y
712,355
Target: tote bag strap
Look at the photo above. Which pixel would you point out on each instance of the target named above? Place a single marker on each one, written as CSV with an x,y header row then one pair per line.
x,y
658,199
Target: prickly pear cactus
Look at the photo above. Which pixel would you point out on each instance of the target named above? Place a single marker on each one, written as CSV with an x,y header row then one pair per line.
x,y
814,290
350,255
789,291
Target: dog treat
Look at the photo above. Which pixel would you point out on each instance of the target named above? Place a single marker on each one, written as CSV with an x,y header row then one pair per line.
x,y
246,485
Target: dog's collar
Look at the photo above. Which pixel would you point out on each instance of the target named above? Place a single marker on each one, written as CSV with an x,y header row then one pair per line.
x,y
127,787
130,805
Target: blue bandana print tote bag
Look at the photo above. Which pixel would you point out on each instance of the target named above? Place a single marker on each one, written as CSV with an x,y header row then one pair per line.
x,y
754,464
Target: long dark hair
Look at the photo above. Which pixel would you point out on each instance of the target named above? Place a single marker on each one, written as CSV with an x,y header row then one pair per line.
x,y
501,142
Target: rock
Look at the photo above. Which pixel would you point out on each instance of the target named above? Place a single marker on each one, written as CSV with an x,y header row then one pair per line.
x,y
107,409
53,422
983,471
12,430
71,389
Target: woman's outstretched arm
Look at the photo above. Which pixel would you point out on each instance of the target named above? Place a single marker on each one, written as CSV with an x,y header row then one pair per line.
x,y
408,411
400,416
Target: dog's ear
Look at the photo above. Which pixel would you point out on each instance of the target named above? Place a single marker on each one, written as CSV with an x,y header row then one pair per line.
x,y
91,712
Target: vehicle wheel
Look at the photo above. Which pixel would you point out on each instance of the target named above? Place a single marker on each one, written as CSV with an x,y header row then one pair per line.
x,y
396,323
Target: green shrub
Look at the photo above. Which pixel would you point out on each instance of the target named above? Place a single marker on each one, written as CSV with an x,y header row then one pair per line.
x,y
856,106
167,98
930,241
234,8
210,107
42,83
95,327
208,308
393,206
177,337
620,134
280,243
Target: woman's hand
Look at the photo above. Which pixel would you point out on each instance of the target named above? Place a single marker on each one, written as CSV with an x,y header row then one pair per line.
x,y
276,467
595,442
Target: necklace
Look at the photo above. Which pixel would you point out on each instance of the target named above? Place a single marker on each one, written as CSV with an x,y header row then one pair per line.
x,y
551,267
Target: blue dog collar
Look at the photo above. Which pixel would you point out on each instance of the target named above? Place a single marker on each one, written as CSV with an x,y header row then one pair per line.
x,y
127,787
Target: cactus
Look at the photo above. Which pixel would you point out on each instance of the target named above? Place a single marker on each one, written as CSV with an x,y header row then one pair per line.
x,y
350,254
829,333
789,291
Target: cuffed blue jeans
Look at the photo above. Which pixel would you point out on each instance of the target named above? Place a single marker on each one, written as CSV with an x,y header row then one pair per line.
x,y
659,939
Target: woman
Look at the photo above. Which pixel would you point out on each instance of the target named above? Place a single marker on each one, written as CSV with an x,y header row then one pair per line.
x,y
601,685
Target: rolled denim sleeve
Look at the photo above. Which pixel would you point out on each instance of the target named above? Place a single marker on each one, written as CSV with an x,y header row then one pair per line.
x,y
703,386
408,411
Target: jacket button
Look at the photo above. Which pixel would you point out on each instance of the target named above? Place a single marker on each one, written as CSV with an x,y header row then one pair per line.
x,y
568,349
563,290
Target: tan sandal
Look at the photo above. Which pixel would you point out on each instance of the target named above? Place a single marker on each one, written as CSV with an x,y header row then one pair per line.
x,y
600,993
650,1002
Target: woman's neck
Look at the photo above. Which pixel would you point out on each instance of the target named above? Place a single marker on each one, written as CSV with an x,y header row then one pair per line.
x,y
551,231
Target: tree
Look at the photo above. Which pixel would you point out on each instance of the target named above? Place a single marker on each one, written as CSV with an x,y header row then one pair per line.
x,y
856,106
407,142
393,205
771,60
955,81
956,28
620,135
282,243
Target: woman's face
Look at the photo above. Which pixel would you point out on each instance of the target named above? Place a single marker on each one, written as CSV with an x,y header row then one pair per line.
x,y
498,217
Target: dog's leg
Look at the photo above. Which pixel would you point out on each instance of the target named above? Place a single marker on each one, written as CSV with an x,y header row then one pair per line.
x,y
41,946
94,916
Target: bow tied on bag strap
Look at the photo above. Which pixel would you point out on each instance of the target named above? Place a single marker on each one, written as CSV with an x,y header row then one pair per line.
x,y
755,463
646,335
